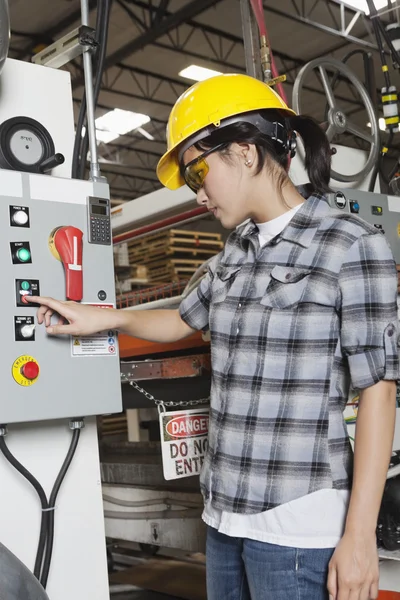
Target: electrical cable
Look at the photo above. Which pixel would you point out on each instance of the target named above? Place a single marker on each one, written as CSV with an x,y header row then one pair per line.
x,y
78,138
393,51
46,537
375,18
43,501
104,11
52,503
391,13
382,53
378,166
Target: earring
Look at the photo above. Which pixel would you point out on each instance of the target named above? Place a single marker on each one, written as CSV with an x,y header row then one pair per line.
x,y
248,163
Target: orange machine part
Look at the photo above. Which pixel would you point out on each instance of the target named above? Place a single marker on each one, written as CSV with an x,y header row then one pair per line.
x,y
130,347
388,595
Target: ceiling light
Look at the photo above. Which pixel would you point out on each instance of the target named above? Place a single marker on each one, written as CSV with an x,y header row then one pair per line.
x,y
197,73
363,6
118,122
382,124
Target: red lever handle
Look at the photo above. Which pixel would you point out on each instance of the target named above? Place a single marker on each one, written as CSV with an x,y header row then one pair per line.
x,y
68,243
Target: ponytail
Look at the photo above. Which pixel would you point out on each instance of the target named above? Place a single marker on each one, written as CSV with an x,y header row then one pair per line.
x,y
318,151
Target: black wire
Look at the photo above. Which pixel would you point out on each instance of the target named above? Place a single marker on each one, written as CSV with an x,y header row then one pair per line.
x,y
52,502
391,13
376,25
378,166
395,54
376,19
104,11
78,138
43,501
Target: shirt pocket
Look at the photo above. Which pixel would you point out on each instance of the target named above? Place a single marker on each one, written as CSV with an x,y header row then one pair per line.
x,y
223,279
286,288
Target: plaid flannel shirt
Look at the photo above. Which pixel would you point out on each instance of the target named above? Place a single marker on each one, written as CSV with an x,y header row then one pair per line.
x,y
293,325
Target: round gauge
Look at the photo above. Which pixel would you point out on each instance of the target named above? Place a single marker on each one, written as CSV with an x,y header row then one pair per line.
x,y
24,145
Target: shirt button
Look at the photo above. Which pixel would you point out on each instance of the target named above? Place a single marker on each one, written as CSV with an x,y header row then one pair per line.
x,y
240,305
390,332
288,276
237,330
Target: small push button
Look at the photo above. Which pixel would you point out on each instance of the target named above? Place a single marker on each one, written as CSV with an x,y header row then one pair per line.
x,y
20,217
23,254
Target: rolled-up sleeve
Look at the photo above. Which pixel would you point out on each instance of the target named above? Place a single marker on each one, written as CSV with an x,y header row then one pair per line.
x,y
369,321
194,309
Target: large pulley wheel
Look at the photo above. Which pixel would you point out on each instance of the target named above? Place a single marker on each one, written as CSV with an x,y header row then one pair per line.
x,y
338,121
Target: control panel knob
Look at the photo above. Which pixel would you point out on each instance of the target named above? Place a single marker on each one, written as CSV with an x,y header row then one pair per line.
x,y
66,245
30,370
27,331
20,217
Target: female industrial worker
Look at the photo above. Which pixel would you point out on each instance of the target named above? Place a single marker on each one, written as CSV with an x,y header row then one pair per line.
x,y
300,304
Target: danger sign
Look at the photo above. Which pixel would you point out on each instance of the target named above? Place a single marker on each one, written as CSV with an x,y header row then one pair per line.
x,y
184,442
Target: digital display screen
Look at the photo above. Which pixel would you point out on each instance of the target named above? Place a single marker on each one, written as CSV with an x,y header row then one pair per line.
x,y
99,210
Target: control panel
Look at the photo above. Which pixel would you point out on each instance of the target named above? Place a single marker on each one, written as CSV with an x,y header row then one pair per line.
x,y
56,243
379,210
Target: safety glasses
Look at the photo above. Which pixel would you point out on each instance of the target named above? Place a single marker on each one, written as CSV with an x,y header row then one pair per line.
x,y
194,173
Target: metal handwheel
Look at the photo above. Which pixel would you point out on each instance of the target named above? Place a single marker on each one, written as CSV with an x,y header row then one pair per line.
x,y
337,119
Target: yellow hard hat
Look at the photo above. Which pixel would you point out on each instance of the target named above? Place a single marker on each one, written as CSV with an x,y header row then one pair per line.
x,y
207,103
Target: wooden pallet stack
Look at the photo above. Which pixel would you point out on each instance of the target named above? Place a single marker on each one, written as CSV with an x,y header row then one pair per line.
x,y
174,254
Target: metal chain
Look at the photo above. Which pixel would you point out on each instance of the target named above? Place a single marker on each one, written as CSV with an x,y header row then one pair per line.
x,y
162,404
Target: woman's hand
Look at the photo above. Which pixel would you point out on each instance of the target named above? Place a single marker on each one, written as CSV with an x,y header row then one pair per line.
x,y
354,569
82,319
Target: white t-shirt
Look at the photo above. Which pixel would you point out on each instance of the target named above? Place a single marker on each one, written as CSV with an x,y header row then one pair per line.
x,y
313,521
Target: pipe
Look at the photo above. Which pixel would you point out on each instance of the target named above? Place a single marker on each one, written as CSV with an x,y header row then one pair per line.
x,y
4,32
258,9
159,225
91,126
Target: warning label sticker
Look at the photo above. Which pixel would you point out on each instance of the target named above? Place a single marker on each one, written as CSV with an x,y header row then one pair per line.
x,y
183,442
103,343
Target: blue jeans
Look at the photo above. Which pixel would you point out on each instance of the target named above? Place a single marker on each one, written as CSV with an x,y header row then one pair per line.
x,y
242,569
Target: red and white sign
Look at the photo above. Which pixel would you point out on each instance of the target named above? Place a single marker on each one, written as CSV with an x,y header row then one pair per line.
x,y
184,441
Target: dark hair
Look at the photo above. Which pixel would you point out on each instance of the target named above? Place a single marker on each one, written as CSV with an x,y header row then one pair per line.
x,y
316,145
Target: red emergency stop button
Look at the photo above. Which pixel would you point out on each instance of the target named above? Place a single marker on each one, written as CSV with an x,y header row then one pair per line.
x,y
30,370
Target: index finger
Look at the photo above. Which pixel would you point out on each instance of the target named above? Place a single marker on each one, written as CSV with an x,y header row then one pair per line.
x,y
56,305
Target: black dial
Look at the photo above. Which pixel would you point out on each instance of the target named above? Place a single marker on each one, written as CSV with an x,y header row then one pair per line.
x,y
26,145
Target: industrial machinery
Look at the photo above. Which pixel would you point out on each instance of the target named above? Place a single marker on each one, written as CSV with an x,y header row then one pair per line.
x,y
55,233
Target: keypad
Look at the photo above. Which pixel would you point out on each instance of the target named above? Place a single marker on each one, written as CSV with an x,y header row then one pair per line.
x,y
100,230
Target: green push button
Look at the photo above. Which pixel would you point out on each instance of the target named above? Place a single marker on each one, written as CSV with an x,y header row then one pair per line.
x,y
25,285
23,254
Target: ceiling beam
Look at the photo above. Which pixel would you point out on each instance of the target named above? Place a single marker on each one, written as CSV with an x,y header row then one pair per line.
x,y
223,35
48,36
148,97
307,21
164,26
